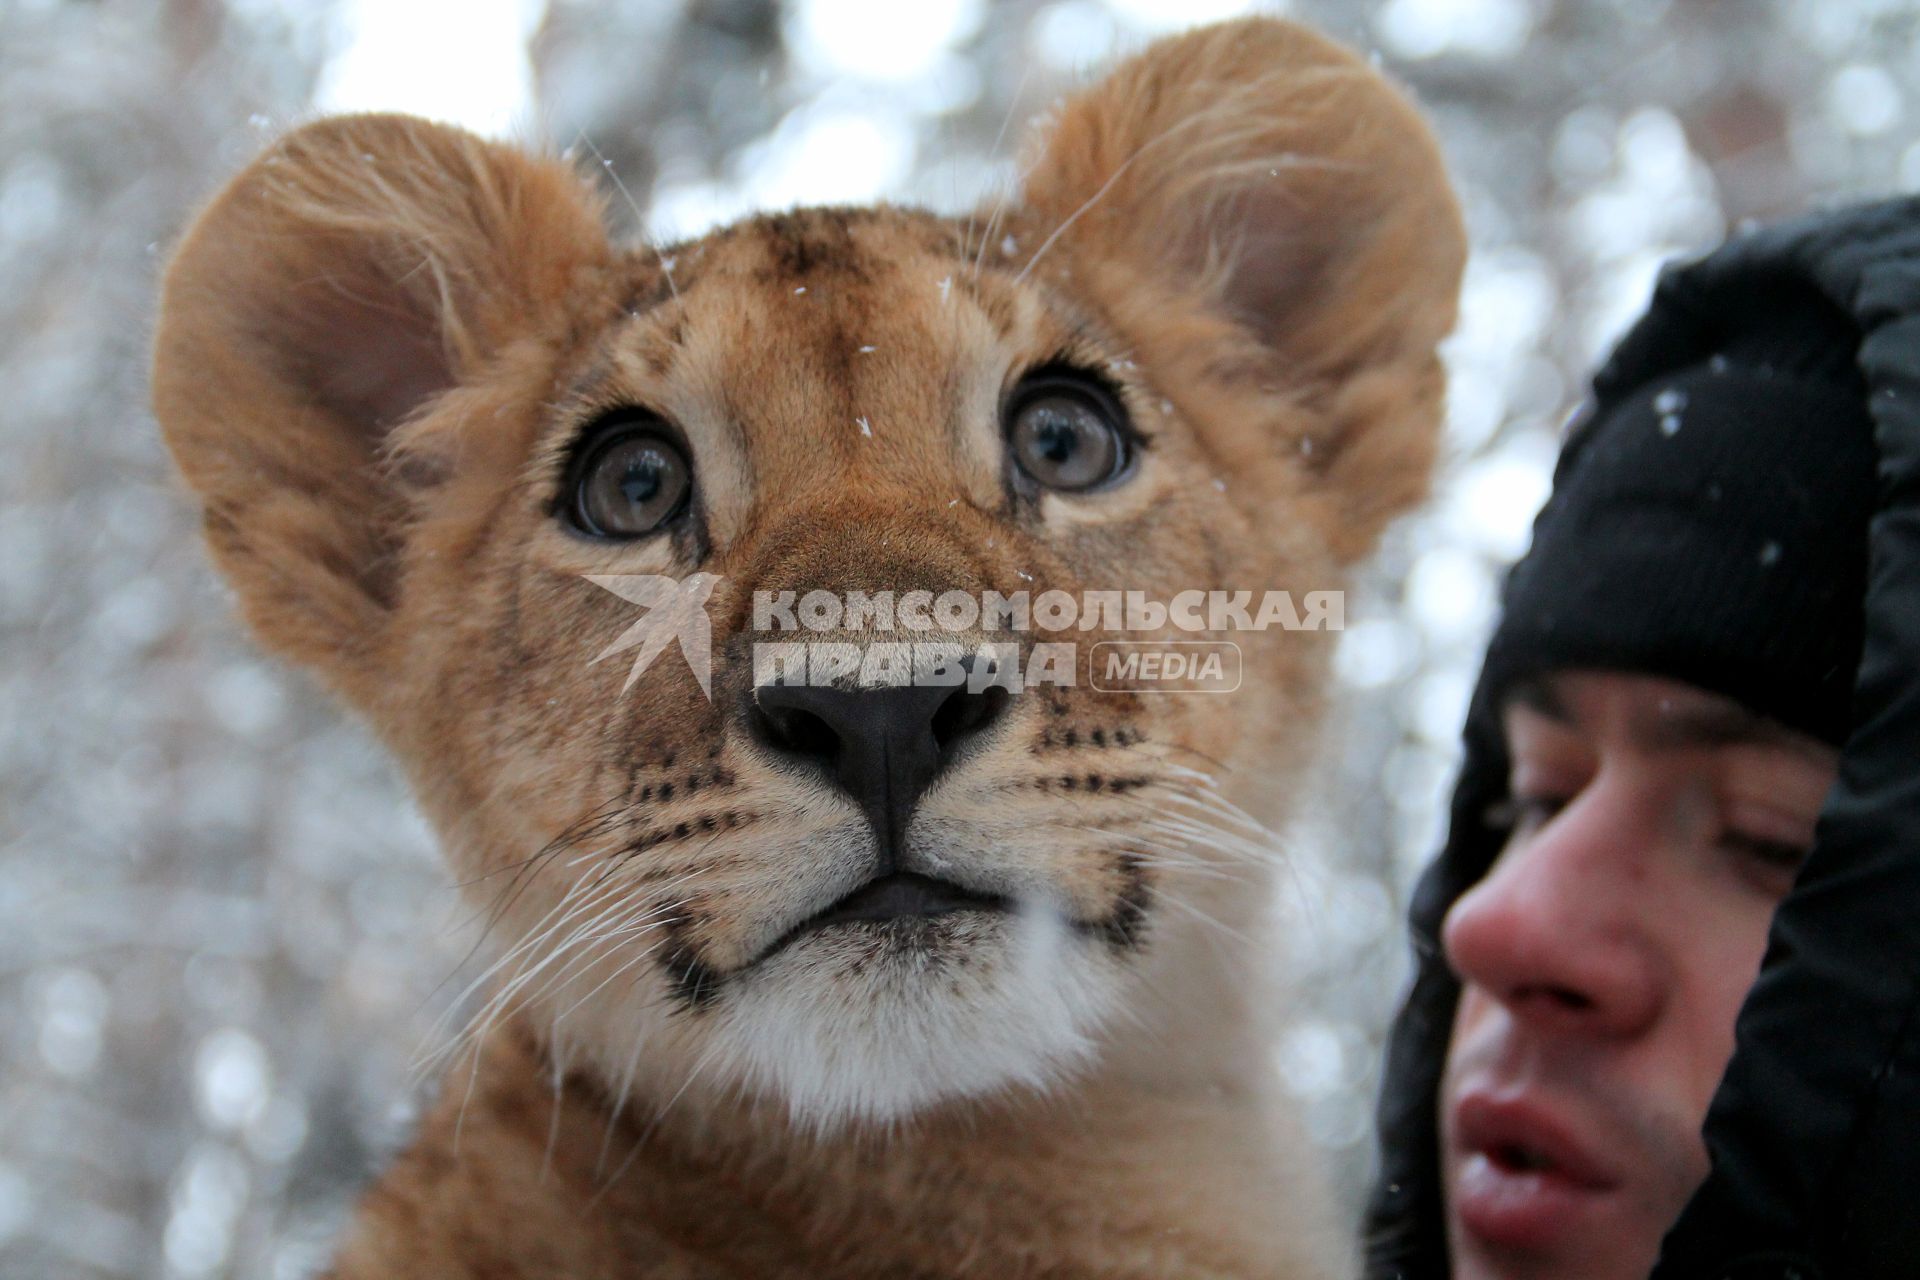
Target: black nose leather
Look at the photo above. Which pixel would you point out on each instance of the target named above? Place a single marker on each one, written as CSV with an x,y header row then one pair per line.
x,y
883,746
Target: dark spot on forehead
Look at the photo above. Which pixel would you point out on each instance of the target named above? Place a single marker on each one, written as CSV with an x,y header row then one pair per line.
x,y
810,242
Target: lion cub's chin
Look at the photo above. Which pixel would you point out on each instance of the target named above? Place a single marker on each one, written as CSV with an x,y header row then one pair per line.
x,y
873,1022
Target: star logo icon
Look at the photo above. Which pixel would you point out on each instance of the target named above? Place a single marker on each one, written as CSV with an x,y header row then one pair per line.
x,y
676,611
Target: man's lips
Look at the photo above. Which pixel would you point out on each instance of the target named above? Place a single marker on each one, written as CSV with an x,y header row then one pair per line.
x,y
1526,1131
1524,1176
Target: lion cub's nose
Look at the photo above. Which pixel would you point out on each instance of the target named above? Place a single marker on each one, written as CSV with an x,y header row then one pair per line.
x,y
883,746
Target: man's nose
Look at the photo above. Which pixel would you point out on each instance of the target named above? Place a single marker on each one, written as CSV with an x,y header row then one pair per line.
x,y
883,746
1558,930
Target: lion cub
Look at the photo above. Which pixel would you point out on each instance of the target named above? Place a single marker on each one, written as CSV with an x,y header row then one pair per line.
x,y
844,976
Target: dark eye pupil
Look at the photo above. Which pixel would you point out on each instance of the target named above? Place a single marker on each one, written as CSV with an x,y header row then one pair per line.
x,y
1054,436
642,480
630,484
1067,437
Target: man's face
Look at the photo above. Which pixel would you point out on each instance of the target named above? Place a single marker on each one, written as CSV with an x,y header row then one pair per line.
x,y
1604,958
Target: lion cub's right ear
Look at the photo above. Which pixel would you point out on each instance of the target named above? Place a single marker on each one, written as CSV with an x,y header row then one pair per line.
x,y
359,268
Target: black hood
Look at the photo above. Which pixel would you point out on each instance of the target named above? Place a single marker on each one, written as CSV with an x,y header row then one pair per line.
x,y
1861,264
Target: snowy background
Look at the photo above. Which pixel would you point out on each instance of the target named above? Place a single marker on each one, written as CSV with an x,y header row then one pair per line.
x,y
220,922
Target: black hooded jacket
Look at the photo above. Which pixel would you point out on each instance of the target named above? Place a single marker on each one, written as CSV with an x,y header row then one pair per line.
x,y
1814,1134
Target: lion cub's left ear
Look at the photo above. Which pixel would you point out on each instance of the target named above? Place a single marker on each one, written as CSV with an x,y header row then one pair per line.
x,y
1255,180
358,269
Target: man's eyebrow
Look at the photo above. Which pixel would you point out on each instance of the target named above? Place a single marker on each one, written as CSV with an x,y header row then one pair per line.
x,y
1713,725
1536,694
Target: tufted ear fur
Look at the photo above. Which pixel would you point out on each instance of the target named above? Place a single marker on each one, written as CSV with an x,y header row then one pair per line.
x,y
1261,177
354,272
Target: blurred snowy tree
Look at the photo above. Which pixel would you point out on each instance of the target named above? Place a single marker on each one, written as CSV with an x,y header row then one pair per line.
x,y
222,932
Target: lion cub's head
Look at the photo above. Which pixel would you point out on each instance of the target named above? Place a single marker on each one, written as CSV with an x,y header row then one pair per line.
x,y
453,444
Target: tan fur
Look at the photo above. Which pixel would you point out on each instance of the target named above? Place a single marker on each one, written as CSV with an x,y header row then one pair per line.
x,y
375,348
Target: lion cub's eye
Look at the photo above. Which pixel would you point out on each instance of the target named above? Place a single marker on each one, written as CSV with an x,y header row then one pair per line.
x,y
1065,432
630,480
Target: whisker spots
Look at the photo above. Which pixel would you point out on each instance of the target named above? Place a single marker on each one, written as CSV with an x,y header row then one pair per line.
x,y
1090,783
1076,737
706,823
